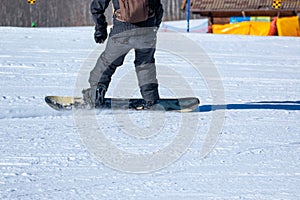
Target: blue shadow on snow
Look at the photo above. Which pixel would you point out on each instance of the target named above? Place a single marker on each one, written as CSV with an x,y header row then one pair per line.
x,y
262,105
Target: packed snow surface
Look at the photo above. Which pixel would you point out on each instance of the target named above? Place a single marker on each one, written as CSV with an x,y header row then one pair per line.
x,y
250,85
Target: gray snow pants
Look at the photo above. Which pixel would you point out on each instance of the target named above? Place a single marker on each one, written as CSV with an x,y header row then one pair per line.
x,y
143,41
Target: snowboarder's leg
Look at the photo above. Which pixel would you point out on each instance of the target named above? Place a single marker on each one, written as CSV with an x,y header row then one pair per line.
x,y
146,73
100,77
111,58
107,74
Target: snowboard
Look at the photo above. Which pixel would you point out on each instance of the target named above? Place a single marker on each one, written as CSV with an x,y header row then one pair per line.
x,y
65,103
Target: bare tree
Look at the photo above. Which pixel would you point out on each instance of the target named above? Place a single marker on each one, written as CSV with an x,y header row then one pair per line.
x,y
49,13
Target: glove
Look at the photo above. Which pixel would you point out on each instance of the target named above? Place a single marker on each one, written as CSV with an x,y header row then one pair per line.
x,y
100,34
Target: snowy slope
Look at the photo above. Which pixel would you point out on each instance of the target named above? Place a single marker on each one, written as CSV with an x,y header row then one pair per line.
x,y
256,141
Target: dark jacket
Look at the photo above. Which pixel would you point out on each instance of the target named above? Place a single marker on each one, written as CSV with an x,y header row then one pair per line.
x,y
98,8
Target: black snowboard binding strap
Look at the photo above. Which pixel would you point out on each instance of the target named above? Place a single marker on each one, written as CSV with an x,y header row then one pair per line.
x,y
143,105
100,94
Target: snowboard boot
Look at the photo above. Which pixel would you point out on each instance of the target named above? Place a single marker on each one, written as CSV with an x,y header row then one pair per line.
x,y
93,97
89,96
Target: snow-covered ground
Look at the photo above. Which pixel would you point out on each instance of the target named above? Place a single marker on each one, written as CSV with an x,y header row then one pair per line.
x,y
249,117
